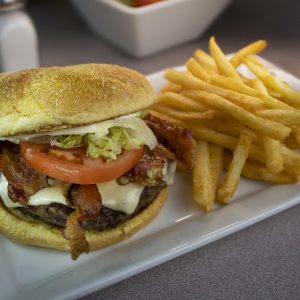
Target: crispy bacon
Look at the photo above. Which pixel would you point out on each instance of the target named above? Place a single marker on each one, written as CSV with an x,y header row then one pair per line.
x,y
148,163
23,180
179,141
149,170
162,151
17,195
88,199
87,202
75,234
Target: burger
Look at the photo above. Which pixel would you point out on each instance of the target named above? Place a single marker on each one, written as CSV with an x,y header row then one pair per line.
x,y
83,164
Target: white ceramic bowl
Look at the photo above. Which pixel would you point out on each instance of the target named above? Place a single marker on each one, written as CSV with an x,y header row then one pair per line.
x,y
148,29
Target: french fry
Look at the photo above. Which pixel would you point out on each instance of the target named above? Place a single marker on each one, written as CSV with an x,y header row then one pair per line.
x,y
257,171
291,141
255,60
214,137
190,82
296,132
274,161
227,127
230,182
290,157
239,87
181,115
256,153
216,161
202,179
226,141
171,87
223,64
250,49
180,102
262,126
206,61
292,96
197,70
169,119
284,116
246,80
274,94
256,119
258,85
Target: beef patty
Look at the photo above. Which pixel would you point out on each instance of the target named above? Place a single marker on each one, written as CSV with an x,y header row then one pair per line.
x,y
57,214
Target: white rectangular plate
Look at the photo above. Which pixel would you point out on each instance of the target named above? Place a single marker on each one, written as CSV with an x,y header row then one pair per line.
x,y
33,273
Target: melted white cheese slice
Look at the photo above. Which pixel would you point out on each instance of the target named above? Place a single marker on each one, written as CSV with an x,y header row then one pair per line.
x,y
52,194
123,198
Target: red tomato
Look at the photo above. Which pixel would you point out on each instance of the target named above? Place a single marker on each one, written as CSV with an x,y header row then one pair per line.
x,y
74,166
144,2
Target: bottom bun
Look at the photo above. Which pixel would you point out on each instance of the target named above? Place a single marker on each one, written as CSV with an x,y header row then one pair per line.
x,y
44,235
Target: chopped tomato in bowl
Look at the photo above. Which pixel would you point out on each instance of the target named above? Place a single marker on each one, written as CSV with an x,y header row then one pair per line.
x,y
138,3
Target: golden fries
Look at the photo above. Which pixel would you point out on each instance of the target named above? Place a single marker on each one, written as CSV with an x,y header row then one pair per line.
x,y
190,82
202,179
274,161
232,84
258,85
263,126
286,117
196,69
224,65
291,96
247,126
250,49
231,128
182,115
216,164
206,61
296,132
258,171
180,102
214,137
230,182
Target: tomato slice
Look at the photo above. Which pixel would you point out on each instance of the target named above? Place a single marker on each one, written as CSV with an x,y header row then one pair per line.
x,y
74,166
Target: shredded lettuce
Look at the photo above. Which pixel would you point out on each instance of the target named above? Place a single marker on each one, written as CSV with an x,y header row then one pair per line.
x,y
109,146
109,138
68,141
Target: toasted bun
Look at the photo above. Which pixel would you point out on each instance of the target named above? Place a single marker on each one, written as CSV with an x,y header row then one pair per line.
x,y
44,235
45,99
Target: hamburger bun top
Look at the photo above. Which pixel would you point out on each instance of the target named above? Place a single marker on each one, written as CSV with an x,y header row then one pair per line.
x,y
17,227
45,99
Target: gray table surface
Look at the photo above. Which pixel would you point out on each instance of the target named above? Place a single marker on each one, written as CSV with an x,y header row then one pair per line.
x,y
259,262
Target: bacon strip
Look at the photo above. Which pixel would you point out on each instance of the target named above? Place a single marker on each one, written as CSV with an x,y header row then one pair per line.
x,y
23,180
179,141
75,234
149,162
87,200
153,162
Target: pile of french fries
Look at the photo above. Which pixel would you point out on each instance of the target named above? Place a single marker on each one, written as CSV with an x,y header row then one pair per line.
x,y
247,126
